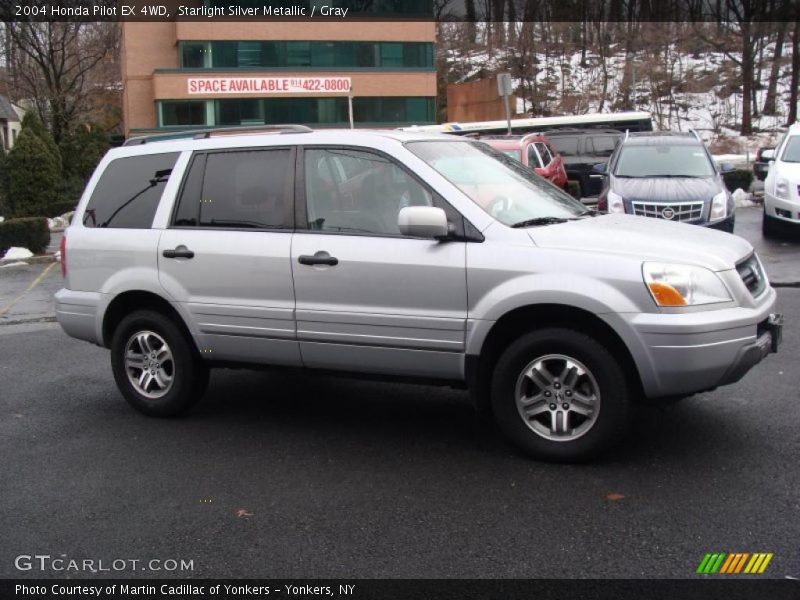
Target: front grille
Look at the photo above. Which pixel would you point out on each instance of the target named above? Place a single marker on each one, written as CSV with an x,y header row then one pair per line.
x,y
676,211
753,276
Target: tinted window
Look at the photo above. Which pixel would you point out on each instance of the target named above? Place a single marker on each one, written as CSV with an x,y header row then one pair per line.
x,y
602,145
544,152
359,192
534,161
127,195
242,189
566,146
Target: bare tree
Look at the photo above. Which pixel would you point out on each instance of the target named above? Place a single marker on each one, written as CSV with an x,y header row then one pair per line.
x,y
795,79
60,68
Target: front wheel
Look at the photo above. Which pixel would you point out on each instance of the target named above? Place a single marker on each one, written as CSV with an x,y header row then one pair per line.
x,y
155,365
560,395
769,225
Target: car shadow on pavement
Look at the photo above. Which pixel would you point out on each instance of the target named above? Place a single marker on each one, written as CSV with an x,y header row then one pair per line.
x,y
424,419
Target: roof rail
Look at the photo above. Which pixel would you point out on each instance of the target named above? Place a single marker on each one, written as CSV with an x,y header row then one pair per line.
x,y
207,133
627,133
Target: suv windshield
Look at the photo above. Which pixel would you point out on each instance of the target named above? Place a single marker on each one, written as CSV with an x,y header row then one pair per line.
x,y
792,151
497,183
663,160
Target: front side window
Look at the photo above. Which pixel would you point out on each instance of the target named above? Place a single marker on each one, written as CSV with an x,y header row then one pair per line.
x,y
663,160
353,191
534,160
544,152
242,189
127,195
502,187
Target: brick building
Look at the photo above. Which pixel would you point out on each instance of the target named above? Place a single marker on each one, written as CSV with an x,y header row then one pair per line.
x,y
220,73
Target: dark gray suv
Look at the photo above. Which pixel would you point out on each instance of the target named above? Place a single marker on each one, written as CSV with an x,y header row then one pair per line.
x,y
667,176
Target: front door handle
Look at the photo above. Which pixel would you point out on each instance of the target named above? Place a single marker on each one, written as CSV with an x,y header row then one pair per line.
x,y
179,252
319,258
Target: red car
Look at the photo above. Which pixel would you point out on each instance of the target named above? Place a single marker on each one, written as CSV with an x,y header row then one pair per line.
x,y
535,151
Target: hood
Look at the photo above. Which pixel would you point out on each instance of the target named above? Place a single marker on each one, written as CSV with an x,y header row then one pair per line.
x,y
790,171
666,189
647,239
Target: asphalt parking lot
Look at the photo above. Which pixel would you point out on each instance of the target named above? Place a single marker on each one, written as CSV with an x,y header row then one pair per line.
x,y
285,475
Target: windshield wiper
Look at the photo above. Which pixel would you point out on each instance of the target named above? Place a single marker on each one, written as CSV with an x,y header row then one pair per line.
x,y
540,221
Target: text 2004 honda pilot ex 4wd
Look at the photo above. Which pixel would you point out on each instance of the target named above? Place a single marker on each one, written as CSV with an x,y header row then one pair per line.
x,y
403,254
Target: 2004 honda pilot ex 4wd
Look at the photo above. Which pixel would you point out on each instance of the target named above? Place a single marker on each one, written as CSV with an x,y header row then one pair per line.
x,y
403,255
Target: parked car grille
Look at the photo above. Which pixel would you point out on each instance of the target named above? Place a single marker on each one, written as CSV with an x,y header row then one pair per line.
x,y
679,211
751,273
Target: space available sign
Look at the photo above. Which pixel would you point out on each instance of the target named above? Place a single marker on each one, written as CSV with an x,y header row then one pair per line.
x,y
268,85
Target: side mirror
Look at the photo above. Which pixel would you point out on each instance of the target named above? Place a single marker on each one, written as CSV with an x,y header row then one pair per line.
x,y
601,168
423,222
768,155
726,167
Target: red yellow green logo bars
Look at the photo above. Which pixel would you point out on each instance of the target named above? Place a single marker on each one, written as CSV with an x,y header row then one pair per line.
x,y
736,562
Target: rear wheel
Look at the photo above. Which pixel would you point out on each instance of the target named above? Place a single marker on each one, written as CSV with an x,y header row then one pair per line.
x,y
155,365
560,395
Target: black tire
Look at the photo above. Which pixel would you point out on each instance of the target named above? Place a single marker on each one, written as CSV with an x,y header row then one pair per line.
x,y
189,374
769,226
614,390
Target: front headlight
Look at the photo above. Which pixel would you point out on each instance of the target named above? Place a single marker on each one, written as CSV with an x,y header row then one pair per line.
x,y
615,203
782,188
719,206
683,285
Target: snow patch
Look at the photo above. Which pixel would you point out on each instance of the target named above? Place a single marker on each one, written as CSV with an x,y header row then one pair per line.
x,y
16,253
742,199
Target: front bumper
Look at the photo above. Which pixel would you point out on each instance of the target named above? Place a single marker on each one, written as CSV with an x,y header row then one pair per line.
x,y
685,353
769,338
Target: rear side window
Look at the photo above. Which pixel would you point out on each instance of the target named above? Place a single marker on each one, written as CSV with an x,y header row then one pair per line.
x,y
566,146
127,195
602,145
242,189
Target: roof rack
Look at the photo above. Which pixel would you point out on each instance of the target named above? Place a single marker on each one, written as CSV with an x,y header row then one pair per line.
x,y
198,134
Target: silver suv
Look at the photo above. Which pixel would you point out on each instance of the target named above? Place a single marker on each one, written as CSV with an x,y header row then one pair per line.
x,y
402,255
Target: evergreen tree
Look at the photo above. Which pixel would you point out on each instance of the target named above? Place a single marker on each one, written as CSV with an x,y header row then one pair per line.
x,y
31,121
34,175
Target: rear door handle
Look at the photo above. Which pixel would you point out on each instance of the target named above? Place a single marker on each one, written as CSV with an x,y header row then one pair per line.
x,y
319,258
179,252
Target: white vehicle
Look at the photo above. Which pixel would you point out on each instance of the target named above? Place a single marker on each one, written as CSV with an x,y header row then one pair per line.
x,y
782,186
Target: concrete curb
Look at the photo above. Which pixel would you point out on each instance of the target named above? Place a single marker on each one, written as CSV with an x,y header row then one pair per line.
x,y
34,260
26,321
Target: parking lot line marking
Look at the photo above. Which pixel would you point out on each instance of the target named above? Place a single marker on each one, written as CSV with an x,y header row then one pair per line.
x,y
33,284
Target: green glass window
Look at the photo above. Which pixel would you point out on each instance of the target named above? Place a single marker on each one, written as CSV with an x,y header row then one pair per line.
x,y
183,113
194,55
298,54
303,54
391,55
329,111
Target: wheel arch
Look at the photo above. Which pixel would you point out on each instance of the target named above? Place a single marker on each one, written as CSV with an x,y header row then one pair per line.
x,y
523,319
127,302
